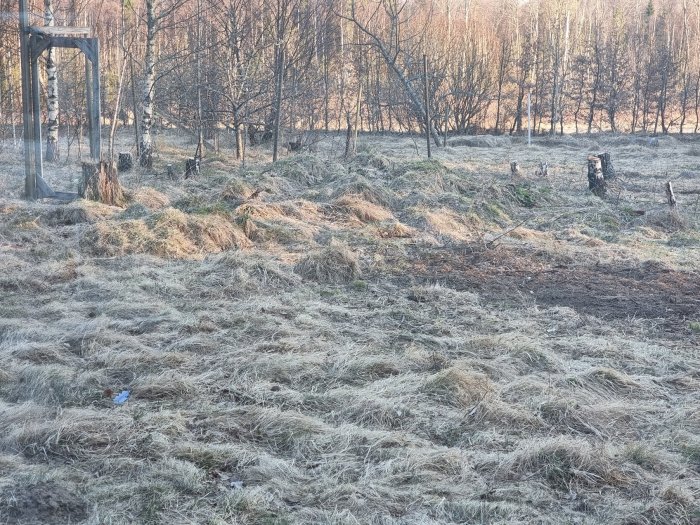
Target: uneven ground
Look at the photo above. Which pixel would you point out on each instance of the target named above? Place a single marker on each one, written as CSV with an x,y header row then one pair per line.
x,y
383,341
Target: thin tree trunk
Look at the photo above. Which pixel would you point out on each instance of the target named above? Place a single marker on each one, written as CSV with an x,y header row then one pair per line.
x,y
146,142
52,152
279,74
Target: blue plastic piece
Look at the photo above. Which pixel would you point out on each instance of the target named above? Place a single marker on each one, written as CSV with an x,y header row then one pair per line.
x,y
121,398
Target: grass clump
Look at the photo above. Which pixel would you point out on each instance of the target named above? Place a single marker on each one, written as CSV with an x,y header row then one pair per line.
x,y
566,462
456,387
335,264
170,233
364,210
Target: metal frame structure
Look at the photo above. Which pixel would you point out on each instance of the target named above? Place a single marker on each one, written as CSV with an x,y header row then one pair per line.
x,y
34,40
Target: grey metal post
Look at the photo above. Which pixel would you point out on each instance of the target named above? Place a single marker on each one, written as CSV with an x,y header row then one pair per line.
x,y
529,131
96,102
30,178
427,102
36,115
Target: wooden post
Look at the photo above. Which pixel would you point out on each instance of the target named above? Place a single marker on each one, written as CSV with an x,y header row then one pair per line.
x,y
670,196
426,94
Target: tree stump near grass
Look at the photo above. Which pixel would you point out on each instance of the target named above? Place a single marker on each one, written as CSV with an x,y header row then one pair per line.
x,y
514,169
100,183
596,179
671,196
607,166
125,162
191,167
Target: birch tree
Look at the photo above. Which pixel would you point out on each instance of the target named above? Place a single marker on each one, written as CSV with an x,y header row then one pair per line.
x,y
52,151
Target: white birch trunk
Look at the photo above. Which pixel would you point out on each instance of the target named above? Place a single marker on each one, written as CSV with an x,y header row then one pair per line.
x,y
51,91
146,146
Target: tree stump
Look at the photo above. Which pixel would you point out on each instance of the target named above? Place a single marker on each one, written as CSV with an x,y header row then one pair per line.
x,y
294,145
146,158
170,172
596,180
514,169
606,166
100,183
543,170
125,162
670,196
191,167
350,146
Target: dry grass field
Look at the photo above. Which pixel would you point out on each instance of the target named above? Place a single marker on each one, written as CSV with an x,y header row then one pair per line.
x,y
387,340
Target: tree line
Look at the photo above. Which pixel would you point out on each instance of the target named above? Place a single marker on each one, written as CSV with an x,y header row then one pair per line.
x,y
258,68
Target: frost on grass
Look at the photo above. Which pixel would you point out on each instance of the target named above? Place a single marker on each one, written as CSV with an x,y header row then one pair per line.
x,y
273,382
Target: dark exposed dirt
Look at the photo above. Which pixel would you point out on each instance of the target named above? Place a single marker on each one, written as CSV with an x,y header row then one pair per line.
x,y
632,289
45,502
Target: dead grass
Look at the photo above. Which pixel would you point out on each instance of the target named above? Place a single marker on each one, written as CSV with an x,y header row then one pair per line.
x,y
387,340
335,264
364,210
169,233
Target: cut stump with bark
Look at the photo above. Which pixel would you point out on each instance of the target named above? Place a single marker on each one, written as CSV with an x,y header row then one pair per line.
x,y
191,167
607,166
514,169
100,183
596,180
125,162
671,196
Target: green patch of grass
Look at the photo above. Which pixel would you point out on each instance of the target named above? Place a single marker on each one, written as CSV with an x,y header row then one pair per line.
x,y
691,451
359,285
642,456
424,167
694,326
197,205
524,195
494,210
684,239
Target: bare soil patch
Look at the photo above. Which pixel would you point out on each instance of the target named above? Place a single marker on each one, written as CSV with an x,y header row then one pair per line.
x,y
631,289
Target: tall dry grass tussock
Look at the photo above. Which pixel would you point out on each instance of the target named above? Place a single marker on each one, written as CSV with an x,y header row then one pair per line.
x,y
335,264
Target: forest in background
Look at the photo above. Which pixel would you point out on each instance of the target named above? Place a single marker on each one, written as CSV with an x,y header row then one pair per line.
x,y
249,66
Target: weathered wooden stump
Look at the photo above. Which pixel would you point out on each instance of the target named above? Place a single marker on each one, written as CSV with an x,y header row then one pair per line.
x,y
146,158
350,146
543,170
125,162
670,196
293,145
170,172
100,183
607,166
596,180
191,167
514,169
